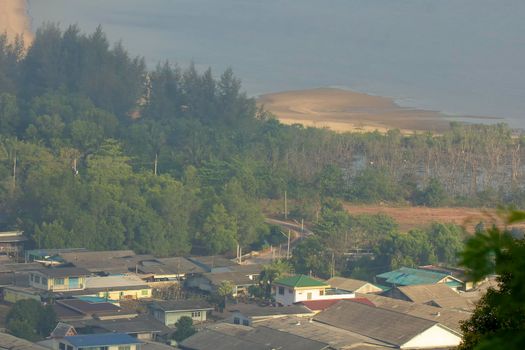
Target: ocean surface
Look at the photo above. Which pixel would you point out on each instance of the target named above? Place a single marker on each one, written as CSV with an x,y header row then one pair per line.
x,y
464,57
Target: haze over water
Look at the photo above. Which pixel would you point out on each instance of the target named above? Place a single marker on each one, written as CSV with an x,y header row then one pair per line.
x,y
456,56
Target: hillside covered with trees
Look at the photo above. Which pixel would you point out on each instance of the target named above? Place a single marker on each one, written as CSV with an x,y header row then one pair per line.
x,y
97,151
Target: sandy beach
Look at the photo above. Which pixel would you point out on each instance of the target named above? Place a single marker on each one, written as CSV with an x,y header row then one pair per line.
x,y
345,111
14,19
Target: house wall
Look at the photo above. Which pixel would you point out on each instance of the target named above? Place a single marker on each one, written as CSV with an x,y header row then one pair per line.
x,y
434,337
292,295
126,294
170,318
239,318
113,347
368,288
40,281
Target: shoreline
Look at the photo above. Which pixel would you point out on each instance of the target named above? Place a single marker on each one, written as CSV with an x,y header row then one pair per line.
x,y
15,20
343,110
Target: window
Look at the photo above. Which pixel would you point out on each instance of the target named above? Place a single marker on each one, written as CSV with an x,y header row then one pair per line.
x,y
44,281
144,292
59,281
69,347
37,279
281,290
127,347
195,314
62,346
321,292
245,323
236,320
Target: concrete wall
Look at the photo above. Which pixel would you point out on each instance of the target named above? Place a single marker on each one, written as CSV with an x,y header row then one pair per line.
x,y
12,296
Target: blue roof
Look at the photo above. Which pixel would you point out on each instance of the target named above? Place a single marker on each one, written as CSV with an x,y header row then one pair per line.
x,y
406,276
102,339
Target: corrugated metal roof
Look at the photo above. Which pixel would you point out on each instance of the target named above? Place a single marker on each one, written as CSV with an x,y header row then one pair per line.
x,y
103,339
377,323
300,281
406,276
446,317
425,292
8,341
349,283
182,305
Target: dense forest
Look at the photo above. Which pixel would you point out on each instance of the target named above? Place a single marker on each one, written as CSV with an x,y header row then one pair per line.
x,y
97,151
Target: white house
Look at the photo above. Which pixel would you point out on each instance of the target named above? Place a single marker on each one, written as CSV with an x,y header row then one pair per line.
x,y
293,289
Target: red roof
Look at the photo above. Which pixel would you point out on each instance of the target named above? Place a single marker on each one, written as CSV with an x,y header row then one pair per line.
x,y
320,305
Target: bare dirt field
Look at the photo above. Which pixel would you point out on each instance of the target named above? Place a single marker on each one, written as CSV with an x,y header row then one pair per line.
x,y
416,217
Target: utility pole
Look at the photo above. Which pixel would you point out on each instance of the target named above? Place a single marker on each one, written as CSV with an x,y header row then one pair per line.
x,y
288,249
333,265
75,170
14,172
156,163
285,206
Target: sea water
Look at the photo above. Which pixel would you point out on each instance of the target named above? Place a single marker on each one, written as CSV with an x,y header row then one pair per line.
x,y
457,56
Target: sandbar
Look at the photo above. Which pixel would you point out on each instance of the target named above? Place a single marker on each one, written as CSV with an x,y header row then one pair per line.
x,y
348,111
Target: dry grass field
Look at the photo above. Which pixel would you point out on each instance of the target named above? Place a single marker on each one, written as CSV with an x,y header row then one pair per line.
x,y
415,217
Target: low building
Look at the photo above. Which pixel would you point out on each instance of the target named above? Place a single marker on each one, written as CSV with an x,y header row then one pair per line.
x,y
293,289
241,276
459,273
71,310
118,287
12,243
396,329
406,276
356,286
422,293
450,318
251,314
59,279
168,269
105,263
170,311
142,327
105,341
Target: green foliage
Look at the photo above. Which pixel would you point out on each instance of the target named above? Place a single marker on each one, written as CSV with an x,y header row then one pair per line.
x,y
30,320
309,257
184,328
433,195
272,272
499,318
373,185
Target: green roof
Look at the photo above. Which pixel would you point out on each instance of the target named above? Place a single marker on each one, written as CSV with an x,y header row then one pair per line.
x,y
300,281
406,276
